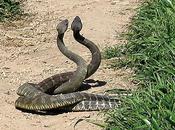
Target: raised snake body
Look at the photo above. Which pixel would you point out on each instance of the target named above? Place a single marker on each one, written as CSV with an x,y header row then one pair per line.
x,y
54,82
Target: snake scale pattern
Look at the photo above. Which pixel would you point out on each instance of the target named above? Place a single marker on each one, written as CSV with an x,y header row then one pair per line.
x,y
58,91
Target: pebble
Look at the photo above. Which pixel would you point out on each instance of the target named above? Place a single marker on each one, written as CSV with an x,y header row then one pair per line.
x,y
113,2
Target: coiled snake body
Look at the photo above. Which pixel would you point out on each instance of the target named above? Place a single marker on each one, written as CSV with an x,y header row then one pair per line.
x,y
35,97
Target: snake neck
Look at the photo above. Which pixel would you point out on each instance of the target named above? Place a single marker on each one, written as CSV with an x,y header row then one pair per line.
x,y
95,52
48,85
78,77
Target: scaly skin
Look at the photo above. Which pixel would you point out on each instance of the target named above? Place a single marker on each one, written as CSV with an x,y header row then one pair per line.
x,y
32,98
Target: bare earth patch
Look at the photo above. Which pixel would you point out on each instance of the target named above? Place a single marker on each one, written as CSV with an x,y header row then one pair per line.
x,y
29,54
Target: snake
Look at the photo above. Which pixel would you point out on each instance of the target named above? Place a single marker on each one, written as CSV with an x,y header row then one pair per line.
x,y
54,82
32,96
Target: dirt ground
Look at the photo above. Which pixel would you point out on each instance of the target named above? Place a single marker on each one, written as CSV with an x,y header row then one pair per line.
x,y
28,53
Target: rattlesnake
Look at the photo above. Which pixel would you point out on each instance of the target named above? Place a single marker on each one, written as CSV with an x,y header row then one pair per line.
x,y
34,98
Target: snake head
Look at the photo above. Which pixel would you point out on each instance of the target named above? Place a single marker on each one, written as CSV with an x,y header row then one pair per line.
x,y
76,24
62,26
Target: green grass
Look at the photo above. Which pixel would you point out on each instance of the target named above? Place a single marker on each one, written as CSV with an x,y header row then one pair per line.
x,y
9,10
150,51
110,52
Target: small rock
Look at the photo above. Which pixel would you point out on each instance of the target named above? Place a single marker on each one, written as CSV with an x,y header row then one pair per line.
x,y
46,125
6,68
86,116
113,2
8,93
44,62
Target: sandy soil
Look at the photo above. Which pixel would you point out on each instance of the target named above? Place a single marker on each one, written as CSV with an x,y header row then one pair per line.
x,y
29,54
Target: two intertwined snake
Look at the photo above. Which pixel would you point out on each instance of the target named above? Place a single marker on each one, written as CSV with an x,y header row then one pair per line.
x,y
58,91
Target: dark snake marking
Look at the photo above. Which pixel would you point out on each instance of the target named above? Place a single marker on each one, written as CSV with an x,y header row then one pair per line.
x,y
54,82
34,99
